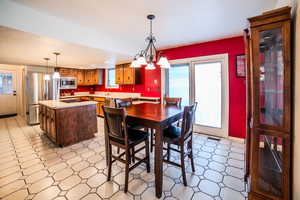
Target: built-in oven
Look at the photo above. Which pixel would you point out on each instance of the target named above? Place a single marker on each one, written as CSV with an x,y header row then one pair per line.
x,y
68,83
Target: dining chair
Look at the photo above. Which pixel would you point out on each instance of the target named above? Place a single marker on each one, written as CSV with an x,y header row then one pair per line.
x,y
123,103
173,101
121,136
181,136
167,101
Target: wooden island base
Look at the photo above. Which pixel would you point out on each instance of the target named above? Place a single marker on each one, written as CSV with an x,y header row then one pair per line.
x,y
68,125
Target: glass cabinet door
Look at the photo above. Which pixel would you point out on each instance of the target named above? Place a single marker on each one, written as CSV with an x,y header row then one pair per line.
x,y
271,77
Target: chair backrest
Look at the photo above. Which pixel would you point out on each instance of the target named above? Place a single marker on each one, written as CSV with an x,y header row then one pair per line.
x,y
115,122
188,120
122,103
173,101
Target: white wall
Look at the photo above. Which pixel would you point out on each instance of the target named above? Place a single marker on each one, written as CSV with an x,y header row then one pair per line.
x,y
20,70
296,176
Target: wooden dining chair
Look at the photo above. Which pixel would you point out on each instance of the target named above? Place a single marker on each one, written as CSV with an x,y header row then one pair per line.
x,y
121,136
123,103
167,101
173,101
181,136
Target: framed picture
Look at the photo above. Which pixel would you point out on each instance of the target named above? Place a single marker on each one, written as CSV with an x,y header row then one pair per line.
x,y
241,65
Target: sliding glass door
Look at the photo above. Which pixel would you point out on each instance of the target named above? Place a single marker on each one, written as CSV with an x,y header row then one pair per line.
x,y
178,82
203,80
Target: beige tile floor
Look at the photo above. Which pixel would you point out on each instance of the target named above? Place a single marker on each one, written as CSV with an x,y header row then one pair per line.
x,y
31,167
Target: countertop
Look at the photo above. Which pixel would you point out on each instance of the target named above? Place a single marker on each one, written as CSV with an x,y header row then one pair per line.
x,y
110,96
56,104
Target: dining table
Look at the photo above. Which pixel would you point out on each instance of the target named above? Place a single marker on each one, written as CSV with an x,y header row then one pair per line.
x,y
156,117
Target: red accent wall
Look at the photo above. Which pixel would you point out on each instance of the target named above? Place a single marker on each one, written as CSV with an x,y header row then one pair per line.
x,y
237,86
149,86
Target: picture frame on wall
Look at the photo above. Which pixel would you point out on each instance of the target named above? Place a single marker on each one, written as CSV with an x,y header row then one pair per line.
x,y
241,66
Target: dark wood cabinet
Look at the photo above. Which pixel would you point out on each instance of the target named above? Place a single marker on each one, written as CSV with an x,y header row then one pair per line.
x,y
269,134
127,75
68,126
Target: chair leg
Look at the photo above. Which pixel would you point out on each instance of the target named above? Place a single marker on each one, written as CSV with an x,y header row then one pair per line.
x,y
133,154
191,155
109,162
147,155
168,152
151,139
127,170
183,165
118,150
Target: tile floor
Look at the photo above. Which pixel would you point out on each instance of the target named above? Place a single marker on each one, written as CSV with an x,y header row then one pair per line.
x,y
33,168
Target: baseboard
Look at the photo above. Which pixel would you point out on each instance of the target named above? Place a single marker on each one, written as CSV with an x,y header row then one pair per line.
x,y
9,115
235,139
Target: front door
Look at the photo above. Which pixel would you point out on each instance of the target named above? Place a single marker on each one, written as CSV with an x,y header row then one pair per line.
x,y
8,96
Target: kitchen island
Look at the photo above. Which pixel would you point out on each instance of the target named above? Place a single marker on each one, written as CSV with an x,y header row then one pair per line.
x,y
68,122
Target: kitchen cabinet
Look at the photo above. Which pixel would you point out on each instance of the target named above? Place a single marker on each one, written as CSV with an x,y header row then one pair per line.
x,y
269,106
80,77
70,125
119,74
67,72
126,75
84,76
89,77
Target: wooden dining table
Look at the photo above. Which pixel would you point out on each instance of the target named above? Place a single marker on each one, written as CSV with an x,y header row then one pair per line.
x,y
157,117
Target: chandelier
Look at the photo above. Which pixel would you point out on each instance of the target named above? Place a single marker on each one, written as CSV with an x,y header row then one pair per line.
x,y
149,56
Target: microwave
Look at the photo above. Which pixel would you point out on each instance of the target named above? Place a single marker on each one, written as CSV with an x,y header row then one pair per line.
x,y
68,83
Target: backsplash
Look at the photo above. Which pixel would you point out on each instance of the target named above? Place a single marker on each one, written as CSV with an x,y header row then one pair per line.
x,y
150,85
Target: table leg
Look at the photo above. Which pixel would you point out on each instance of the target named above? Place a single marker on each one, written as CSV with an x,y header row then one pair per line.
x,y
158,162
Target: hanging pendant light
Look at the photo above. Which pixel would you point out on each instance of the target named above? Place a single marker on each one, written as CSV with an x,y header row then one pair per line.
x,y
47,76
148,56
56,75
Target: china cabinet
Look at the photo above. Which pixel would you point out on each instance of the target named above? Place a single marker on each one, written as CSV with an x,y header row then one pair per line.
x,y
269,135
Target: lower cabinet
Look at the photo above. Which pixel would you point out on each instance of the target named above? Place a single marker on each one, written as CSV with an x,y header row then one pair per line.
x,y
68,126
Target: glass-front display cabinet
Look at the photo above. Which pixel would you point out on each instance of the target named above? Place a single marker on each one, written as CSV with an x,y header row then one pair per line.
x,y
268,170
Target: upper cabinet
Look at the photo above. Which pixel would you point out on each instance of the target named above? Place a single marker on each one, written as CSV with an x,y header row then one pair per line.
x,y
127,75
84,77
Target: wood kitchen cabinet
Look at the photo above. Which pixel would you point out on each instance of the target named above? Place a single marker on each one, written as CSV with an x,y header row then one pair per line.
x,y
67,72
127,75
89,77
80,77
67,126
119,74
84,76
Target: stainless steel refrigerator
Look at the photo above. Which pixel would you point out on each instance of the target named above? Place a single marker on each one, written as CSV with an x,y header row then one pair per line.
x,y
38,89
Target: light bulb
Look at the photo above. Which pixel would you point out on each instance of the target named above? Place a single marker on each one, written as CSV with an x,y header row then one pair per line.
x,y
47,77
141,60
56,75
135,64
150,66
163,62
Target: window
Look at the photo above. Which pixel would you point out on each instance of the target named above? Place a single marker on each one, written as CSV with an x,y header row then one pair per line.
x,y
111,78
6,83
177,82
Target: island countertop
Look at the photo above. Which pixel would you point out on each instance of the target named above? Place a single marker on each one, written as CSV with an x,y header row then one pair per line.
x,y
57,104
